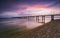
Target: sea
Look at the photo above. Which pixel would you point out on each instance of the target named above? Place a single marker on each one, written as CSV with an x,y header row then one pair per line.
x,y
22,23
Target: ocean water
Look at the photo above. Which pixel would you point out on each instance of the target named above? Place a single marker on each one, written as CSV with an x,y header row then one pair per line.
x,y
22,23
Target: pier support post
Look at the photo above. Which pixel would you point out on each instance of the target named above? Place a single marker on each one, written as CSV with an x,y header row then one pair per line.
x,y
37,18
52,17
43,19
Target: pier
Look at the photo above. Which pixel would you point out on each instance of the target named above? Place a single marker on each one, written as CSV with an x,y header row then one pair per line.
x,y
43,17
37,17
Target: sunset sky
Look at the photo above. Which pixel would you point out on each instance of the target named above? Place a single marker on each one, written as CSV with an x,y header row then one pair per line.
x,y
16,8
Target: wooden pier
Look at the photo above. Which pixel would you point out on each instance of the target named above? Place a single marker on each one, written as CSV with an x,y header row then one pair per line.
x,y
42,17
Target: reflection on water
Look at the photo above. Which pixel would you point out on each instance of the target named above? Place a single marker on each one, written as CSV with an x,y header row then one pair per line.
x,y
21,23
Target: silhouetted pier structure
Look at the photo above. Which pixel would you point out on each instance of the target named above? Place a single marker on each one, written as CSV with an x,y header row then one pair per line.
x,y
43,17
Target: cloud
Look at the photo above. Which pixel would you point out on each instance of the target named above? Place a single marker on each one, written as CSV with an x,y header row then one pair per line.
x,y
20,6
11,5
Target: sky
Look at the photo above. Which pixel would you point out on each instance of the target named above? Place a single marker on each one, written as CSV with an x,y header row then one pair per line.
x,y
16,8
